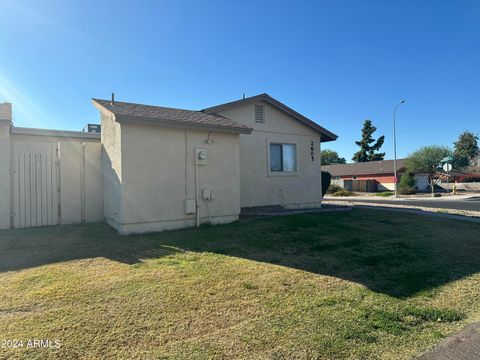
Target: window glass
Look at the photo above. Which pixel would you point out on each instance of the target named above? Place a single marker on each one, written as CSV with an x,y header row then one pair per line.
x,y
289,157
275,157
283,157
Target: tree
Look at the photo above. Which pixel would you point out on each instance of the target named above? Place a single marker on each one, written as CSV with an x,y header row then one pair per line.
x,y
466,149
426,160
330,157
368,145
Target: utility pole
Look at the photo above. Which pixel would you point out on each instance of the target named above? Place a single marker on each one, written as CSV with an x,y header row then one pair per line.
x,y
395,146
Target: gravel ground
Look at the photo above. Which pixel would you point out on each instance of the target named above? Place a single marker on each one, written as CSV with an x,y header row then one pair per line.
x,y
472,214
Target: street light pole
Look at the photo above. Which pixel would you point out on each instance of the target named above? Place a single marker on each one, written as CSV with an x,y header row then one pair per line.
x,y
395,146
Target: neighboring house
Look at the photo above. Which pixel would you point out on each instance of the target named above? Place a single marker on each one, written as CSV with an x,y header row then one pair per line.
x,y
162,168
382,172
465,179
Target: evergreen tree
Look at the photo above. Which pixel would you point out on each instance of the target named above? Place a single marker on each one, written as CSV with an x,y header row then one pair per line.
x,y
466,149
368,145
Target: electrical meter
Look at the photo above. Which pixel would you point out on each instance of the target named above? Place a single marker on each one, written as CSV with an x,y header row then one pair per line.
x,y
201,156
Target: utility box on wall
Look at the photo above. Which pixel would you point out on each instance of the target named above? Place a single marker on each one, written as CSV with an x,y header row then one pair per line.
x,y
207,194
190,207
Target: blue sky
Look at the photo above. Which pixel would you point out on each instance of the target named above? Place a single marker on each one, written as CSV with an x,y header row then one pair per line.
x,y
337,62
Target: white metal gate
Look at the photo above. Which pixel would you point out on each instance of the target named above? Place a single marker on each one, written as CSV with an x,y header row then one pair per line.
x,y
35,184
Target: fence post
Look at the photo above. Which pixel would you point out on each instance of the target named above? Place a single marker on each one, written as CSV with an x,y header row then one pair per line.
x,y
5,165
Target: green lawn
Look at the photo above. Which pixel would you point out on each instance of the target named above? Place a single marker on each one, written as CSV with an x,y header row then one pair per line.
x,y
384,193
360,284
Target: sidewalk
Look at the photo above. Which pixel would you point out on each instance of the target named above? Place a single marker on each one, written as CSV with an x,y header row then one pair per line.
x,y
422,196
464,345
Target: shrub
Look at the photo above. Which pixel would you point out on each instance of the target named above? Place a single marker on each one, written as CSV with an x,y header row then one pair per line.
x,y
407,180
326,179
406,190
344,193
406,185
333,188
470,178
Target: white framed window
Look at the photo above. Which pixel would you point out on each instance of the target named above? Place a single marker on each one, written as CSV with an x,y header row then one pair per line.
x,y
283,158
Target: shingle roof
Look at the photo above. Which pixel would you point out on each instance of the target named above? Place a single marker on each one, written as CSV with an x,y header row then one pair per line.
x,y
326,135
364,168
160,114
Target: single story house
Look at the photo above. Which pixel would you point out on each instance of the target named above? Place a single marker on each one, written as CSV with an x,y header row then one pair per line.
x,y
381,172
465,179
154,168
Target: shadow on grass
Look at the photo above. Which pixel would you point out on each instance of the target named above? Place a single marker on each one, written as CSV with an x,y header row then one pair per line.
x,y
392,253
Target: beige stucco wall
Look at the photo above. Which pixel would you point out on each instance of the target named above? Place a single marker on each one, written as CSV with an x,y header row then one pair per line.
x,y
80,182
93,182
158,174
384,186
4,174
78,170
70,182
50,139
258,186
111,168
48,177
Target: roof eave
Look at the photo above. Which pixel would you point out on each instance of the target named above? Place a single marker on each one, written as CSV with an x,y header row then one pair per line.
x,y
326,134
180,124
325,138
170,123
102,108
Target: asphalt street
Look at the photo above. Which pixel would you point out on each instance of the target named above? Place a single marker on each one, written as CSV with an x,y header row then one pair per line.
x,y
471,203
